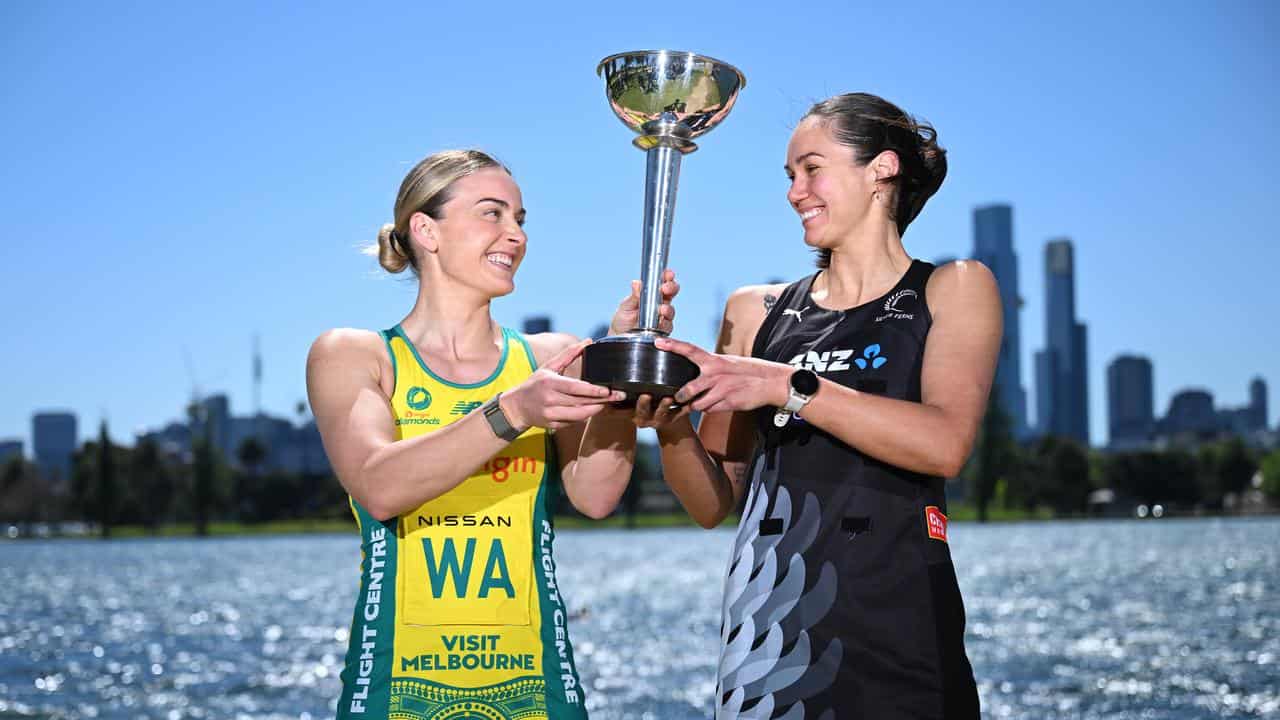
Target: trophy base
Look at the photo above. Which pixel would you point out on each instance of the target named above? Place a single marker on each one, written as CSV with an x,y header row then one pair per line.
x,y
633,364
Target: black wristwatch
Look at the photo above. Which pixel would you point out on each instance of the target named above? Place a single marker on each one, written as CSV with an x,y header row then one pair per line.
x,y
498,421
803,386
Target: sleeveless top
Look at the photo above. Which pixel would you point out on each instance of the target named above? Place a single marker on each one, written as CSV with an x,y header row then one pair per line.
x,y
840,598
458,614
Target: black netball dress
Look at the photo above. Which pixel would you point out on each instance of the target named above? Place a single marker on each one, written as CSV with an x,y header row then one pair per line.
x,y
840,599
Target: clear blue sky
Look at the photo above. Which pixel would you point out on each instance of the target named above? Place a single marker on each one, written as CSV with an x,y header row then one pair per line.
x,y
187,175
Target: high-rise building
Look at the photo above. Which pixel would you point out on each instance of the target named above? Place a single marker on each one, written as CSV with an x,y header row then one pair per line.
x,y
993,246
1191,412
1249,419
537,324
1130,402
9,449
54,437
214,418
1062,368
1046,373
1258,403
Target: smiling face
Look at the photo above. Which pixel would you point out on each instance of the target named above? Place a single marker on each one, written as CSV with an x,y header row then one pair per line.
x,y
479,241
832,193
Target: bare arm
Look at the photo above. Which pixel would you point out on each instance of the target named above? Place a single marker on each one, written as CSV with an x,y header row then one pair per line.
x,y
707,469
595,457
959,363
349,385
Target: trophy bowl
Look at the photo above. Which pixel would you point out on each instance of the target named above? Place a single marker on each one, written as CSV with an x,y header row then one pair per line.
x,y
667,98
664,92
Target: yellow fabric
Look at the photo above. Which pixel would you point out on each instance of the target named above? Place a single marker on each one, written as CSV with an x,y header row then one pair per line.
x,y
468,605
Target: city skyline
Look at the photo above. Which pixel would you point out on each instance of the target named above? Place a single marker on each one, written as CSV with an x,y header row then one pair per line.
x,y
226,191
1132,413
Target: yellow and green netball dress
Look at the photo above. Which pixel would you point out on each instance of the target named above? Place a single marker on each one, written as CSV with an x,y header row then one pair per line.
x,y
459,616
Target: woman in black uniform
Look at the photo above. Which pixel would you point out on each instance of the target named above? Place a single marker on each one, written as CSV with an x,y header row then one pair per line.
x,y
839,403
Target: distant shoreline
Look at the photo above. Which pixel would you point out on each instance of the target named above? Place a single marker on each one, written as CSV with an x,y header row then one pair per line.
x,y
962,514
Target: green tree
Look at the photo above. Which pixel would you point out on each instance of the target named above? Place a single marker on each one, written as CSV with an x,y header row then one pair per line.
x,y
1235,467
105,500
83,473
252,453
1271,475
154,484
203,468
249,497
20,491
994,456
1065,469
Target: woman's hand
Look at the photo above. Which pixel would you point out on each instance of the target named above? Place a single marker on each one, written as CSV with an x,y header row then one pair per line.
x,y
549,399
730,382
657,412
627,316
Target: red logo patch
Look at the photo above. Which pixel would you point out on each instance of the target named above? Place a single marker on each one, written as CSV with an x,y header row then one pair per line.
x,y
936,523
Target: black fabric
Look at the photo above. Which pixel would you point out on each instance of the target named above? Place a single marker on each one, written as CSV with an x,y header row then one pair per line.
x,y
885,633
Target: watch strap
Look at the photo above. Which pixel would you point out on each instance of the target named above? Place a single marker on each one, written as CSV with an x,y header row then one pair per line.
x,y
498,421
796,402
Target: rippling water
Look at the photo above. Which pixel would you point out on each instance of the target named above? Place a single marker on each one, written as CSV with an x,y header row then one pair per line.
x,y
1154,619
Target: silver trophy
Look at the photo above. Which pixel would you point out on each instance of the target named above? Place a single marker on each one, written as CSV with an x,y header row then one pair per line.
x,y
669,98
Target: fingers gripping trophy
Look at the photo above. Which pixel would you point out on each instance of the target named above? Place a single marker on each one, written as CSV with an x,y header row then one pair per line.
x,y
668,98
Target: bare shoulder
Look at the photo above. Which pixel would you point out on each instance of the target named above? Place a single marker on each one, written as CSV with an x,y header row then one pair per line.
x,y
752,298
966,284
549,344
345,343
343,350
744,313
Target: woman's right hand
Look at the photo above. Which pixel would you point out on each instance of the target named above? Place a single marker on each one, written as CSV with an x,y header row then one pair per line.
x,y
658,413
550,400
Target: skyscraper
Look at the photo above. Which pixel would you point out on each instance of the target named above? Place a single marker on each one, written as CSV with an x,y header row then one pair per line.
x,y
215,413
993,246
1191,412
54,437
1130,402
1062,376
535,324
9,449
1258,403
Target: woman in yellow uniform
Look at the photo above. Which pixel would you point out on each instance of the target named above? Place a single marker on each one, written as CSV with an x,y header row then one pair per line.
x,y
438,428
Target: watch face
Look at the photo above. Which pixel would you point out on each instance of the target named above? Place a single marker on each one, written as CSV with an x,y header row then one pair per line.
x,y
804,382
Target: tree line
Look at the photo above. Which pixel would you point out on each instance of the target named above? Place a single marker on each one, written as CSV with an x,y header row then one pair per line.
x,y
111,485
1060,475
145,486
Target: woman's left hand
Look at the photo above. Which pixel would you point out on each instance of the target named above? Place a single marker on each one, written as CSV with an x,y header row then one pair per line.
x,y
730,382
627,316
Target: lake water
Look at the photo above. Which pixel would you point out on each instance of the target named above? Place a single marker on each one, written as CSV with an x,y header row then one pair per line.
x,y
1118,619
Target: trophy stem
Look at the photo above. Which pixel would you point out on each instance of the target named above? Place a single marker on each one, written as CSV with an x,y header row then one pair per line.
x,y
662,174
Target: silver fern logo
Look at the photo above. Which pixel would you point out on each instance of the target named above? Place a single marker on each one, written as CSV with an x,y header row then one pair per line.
x,y
893,311
770,605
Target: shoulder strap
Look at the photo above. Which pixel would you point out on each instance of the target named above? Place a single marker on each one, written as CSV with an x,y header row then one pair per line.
x,y
784,301
391,353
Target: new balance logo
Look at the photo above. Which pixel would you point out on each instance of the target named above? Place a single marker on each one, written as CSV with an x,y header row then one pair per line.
x,y
462,407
